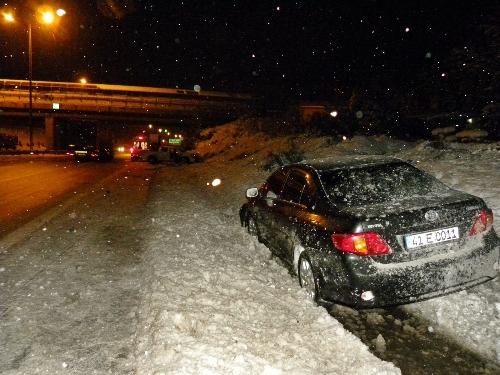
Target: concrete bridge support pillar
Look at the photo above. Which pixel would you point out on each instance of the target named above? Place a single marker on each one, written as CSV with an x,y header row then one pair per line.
x,y
49,132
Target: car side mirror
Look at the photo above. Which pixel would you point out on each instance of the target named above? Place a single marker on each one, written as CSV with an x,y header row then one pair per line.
x,y
252,192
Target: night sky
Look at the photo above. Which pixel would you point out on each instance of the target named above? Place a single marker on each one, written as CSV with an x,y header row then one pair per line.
x,y
301,49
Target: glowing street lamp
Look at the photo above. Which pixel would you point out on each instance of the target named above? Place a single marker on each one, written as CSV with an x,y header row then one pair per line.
x,y
83,80
8,17
46,16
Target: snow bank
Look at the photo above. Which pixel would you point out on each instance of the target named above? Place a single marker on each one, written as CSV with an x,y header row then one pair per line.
x,y
473,316
472,134
217,303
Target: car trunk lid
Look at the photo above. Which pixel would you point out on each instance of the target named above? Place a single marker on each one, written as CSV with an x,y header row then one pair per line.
x,y
445,217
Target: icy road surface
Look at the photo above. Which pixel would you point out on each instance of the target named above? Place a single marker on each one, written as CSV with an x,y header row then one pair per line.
x,y
31,183
70,279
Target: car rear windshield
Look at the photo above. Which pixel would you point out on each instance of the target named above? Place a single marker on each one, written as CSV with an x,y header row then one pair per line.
x,y
379,183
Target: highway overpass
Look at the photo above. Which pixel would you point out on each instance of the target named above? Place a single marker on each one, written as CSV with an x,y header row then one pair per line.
x,y
115,104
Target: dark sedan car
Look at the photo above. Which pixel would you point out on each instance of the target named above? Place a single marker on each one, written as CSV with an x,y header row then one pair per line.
x,y
372,231
94,153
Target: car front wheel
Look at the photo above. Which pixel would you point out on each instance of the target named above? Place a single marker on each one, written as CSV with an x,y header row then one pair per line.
x,y
307,279
251,226
152,159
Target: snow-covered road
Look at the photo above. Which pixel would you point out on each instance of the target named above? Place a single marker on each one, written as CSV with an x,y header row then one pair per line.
x,y
31,183
70,282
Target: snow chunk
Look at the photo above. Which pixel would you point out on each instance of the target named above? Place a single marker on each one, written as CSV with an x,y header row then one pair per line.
x,y
380,345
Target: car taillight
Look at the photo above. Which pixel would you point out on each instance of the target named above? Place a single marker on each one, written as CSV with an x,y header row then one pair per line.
x,y
369,243
483,222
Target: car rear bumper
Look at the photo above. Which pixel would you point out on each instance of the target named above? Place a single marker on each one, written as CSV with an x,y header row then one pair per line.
x,y
406,282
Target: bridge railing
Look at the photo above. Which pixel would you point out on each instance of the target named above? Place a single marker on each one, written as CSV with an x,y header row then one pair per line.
x,y
17,97
106,89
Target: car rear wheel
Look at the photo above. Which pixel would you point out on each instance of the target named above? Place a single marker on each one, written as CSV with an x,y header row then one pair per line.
x,y
307,279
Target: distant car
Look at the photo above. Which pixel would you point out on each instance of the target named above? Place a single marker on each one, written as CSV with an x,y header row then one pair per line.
x,y
372,231
94,153
164,154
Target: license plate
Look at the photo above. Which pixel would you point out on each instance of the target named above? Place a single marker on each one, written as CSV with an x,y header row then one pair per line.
x,y
432,237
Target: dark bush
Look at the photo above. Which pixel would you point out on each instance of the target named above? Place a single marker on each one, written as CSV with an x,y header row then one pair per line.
x,y
275,160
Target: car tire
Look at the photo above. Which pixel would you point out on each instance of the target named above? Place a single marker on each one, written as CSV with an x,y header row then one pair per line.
x,y
252,226
185,160
307,277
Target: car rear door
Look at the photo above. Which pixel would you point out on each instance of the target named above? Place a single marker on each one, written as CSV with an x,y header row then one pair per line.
x,y
292,209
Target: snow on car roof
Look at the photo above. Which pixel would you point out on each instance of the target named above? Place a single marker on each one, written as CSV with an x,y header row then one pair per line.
x,y
329,163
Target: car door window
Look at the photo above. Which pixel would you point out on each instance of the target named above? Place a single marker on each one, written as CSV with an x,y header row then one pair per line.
x,y
309,194
294,186
274,184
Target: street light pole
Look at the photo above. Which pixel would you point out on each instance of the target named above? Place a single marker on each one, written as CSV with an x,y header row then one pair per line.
x,y
47,17
30,77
